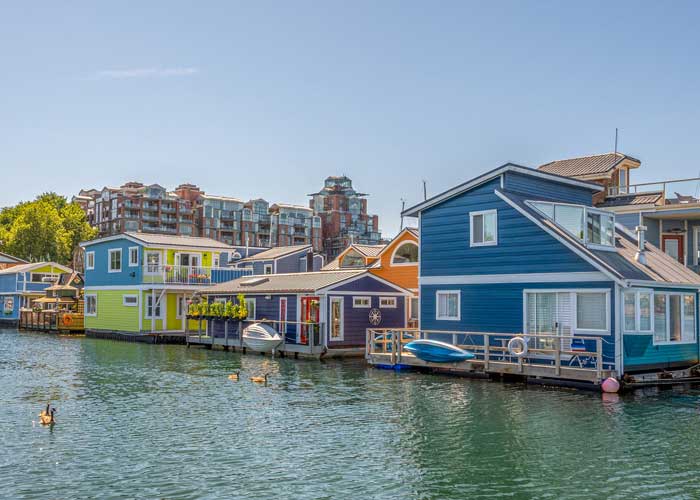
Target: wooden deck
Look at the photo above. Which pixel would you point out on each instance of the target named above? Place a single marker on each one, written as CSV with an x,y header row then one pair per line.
x,y
385,349
52,321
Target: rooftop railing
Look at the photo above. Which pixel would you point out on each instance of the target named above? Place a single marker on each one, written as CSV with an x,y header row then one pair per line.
x,y
191,275
678,191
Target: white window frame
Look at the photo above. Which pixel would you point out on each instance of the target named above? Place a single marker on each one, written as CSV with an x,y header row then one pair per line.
x,y
157,304
88,296
341,338
637,316
109,260
89,261
266,267
471,229
584,331
131,263
357,305
438,293
667,318
391,302
393,254
249,300
146,265
130,296
180,306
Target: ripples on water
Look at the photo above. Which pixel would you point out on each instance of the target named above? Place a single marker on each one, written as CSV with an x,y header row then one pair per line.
x,y
140,421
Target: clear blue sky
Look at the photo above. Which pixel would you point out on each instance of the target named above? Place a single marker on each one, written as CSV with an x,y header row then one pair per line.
x,y
267,98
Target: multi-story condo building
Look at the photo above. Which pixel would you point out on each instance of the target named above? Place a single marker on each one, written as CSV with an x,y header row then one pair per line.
x,y
189,211
344,217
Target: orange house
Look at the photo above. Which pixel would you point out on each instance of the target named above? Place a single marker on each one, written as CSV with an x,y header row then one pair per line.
x,y
396,262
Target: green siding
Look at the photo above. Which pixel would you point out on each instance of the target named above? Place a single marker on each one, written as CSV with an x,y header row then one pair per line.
x,y
111,313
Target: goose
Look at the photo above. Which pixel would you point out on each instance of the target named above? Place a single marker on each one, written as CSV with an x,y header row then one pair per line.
x,y
235,376
260,380
47,411
48,419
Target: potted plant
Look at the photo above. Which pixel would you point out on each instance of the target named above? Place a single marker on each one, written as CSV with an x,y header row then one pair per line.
x,y
203,308
216,310
230,310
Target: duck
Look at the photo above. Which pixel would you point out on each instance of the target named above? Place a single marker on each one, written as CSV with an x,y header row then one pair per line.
x,y
260,380
48,419
235,376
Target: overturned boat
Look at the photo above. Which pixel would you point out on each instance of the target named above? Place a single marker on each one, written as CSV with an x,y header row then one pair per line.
x,y
437,352
261,338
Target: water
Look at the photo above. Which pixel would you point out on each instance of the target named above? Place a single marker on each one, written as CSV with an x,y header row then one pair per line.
x,y
141,421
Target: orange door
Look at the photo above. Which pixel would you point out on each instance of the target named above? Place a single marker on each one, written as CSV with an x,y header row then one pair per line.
x,y
672,244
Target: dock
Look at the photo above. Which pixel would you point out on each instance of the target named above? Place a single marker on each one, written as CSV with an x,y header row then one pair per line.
x,y
49,320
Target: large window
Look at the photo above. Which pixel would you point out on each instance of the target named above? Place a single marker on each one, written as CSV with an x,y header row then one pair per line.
x,y
637,311
89,260
352,259
566,312
674,318
590,225
483,228
152,262
601,228
90,305
592,311
115,260
406,253
447,305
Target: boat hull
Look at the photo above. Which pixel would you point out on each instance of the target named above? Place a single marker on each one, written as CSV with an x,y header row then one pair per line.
x,y
262,338
435,351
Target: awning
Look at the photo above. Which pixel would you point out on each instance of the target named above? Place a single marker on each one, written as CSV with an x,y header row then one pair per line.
x,y
52,300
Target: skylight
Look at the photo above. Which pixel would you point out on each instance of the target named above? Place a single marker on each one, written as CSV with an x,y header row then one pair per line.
x,y
593,227
254,281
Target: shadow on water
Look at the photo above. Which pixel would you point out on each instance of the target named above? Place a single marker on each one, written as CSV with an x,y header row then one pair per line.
x,y
166,422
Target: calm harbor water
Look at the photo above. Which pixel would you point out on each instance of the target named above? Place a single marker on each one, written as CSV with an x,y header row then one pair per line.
x,y
141,421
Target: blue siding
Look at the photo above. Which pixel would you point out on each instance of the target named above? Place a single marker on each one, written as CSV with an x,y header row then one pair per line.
x,y
547,189
318,262
8,283
265,309
630,221
498,308
99,276
291,263
356,320
522,246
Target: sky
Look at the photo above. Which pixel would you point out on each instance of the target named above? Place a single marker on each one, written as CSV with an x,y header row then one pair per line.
x,y
266,99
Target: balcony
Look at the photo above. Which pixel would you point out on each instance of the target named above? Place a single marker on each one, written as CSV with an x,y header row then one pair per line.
x,y
189,275
679,192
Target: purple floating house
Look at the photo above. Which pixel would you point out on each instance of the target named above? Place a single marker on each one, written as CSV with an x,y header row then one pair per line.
x,y
317,313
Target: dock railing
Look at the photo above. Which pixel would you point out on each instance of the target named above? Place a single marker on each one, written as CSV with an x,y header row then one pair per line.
x,y
553,352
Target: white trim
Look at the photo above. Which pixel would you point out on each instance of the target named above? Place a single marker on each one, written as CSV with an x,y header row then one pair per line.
x,y
476,279
159,266
138,255
488,176
223,248
85,313
109,260
392,303
397,264
266,267
342,318
619,337
662,284
696,246
130,296
667,317
637,315
588,258
437,305
87,259
345,281
585,331
482,243
355,305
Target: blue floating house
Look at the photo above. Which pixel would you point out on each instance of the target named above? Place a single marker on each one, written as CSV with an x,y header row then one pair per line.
x,y
22,283
521,251
286,259
318,313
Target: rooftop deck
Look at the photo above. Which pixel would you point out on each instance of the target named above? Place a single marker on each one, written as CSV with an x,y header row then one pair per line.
x,y
678,192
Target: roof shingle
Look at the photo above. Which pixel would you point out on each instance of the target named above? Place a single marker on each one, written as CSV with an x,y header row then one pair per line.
x,y
585,165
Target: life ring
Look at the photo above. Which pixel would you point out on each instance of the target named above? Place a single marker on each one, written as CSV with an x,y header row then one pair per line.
x,y
517,346
67,320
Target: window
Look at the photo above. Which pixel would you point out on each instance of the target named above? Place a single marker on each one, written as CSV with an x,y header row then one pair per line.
x,y
267,269
90,305
387,302
414,306
674,318
601,228
180,309
250,306
43,277
590,225
336,319
592,311
406,253
115,260
447,305
659,317
362,302
483,228
152,262
151,312
89,261
216,259
352,259
637,311
133,256
130,300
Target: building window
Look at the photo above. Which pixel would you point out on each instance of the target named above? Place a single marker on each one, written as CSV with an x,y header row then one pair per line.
x,y
43,277
89,261
133,256
387,302
152,262
267,269
600,228
215,260
590,225
130,300
447,304
592,311
414,306
336,319
90,305
115,260
150,312
674,318
361,302
637,311
483,228
250,306
406,253
180,308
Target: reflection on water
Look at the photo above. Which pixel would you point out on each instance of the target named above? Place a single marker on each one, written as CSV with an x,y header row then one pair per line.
x,y
165,422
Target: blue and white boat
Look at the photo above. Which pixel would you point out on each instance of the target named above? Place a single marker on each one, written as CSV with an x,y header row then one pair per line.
x,y
437,352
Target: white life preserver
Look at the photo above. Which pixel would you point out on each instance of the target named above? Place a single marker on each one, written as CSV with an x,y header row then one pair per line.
x,y
517,346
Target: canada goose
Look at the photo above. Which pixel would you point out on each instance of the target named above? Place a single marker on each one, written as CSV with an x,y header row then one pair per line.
x,y
235,376
260,380
47,411
48,419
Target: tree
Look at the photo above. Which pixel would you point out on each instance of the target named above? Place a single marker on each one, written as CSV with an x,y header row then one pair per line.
x,y
48,228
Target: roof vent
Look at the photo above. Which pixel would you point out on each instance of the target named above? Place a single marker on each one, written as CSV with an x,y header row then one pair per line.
x,y
254,281
640,256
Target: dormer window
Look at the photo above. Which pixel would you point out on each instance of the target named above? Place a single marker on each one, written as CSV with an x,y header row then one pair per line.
x,y
592,226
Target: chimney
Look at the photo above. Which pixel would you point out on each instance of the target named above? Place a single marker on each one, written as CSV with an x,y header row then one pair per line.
x,y
640,256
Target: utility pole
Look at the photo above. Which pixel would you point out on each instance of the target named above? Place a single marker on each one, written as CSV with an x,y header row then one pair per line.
x,y
403,206
425,190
